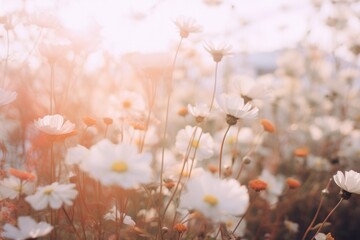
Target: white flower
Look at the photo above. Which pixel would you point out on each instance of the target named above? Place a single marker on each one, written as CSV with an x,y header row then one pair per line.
x,y
249,89
219,51
275,186
10,187
199,111
54,125
235,106
350,182
54,195
77,155
291,226
201,142
215,198
6,97
27,228
113,215
119,164
187,26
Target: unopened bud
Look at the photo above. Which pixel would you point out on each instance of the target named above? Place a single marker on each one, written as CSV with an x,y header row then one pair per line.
x,y
246,160
325,192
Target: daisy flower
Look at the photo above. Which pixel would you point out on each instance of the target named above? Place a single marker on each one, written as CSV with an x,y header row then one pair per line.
x,y
199,111
215,198
27,229
76,155
12,187
350,182
54,195
249,89
234,106
187,26
200,142
54,125
6,97
119,164
114,214
219,51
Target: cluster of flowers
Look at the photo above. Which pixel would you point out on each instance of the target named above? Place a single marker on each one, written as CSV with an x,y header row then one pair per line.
x,y
199,164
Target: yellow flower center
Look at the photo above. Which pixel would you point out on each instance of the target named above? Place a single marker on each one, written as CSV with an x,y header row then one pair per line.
x,y
119,167
195,144
127,104
211,200
48,191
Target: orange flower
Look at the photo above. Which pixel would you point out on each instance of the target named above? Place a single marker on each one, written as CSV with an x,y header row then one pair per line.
x,y
301,152
183,111
329,237
293,183
22,175
169,184
212,168
268,126
107,120
180,228
89,121
258,185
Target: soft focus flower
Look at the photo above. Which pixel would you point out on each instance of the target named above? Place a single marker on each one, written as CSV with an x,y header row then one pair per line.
x,y
291,226
6,97
215,198
76,155
27,229
54,195
12,186
249,89
267,125
322,236
54,125
275,186
89,121
293,183
235,106
350,182
119,164
187,26
199,141
199,111
258,185
218,52
301,152
22,175
180,228
114,214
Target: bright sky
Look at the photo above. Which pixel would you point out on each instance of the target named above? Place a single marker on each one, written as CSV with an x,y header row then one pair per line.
x,y
146,25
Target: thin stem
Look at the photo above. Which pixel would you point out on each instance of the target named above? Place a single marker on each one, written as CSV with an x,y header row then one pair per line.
x,y
317,212
214,90
71,223
327,217
221,149
52,97
33,47
243,216
7,58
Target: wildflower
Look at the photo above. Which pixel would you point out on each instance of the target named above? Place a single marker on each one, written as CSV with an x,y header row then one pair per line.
x,y
27,229
258,185
54,125
6,97
119,164
235,108
89,121
249,89
293,183
76,155
183,111
349,183
218,52
301,152
291,226
215,198
275,186
322,236
199,141
54,195
107,120
199,111
180,228
268,126
187,26
12,187
114,214
22,175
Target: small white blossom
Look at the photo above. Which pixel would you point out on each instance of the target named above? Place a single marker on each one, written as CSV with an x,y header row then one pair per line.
x,y
349,182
